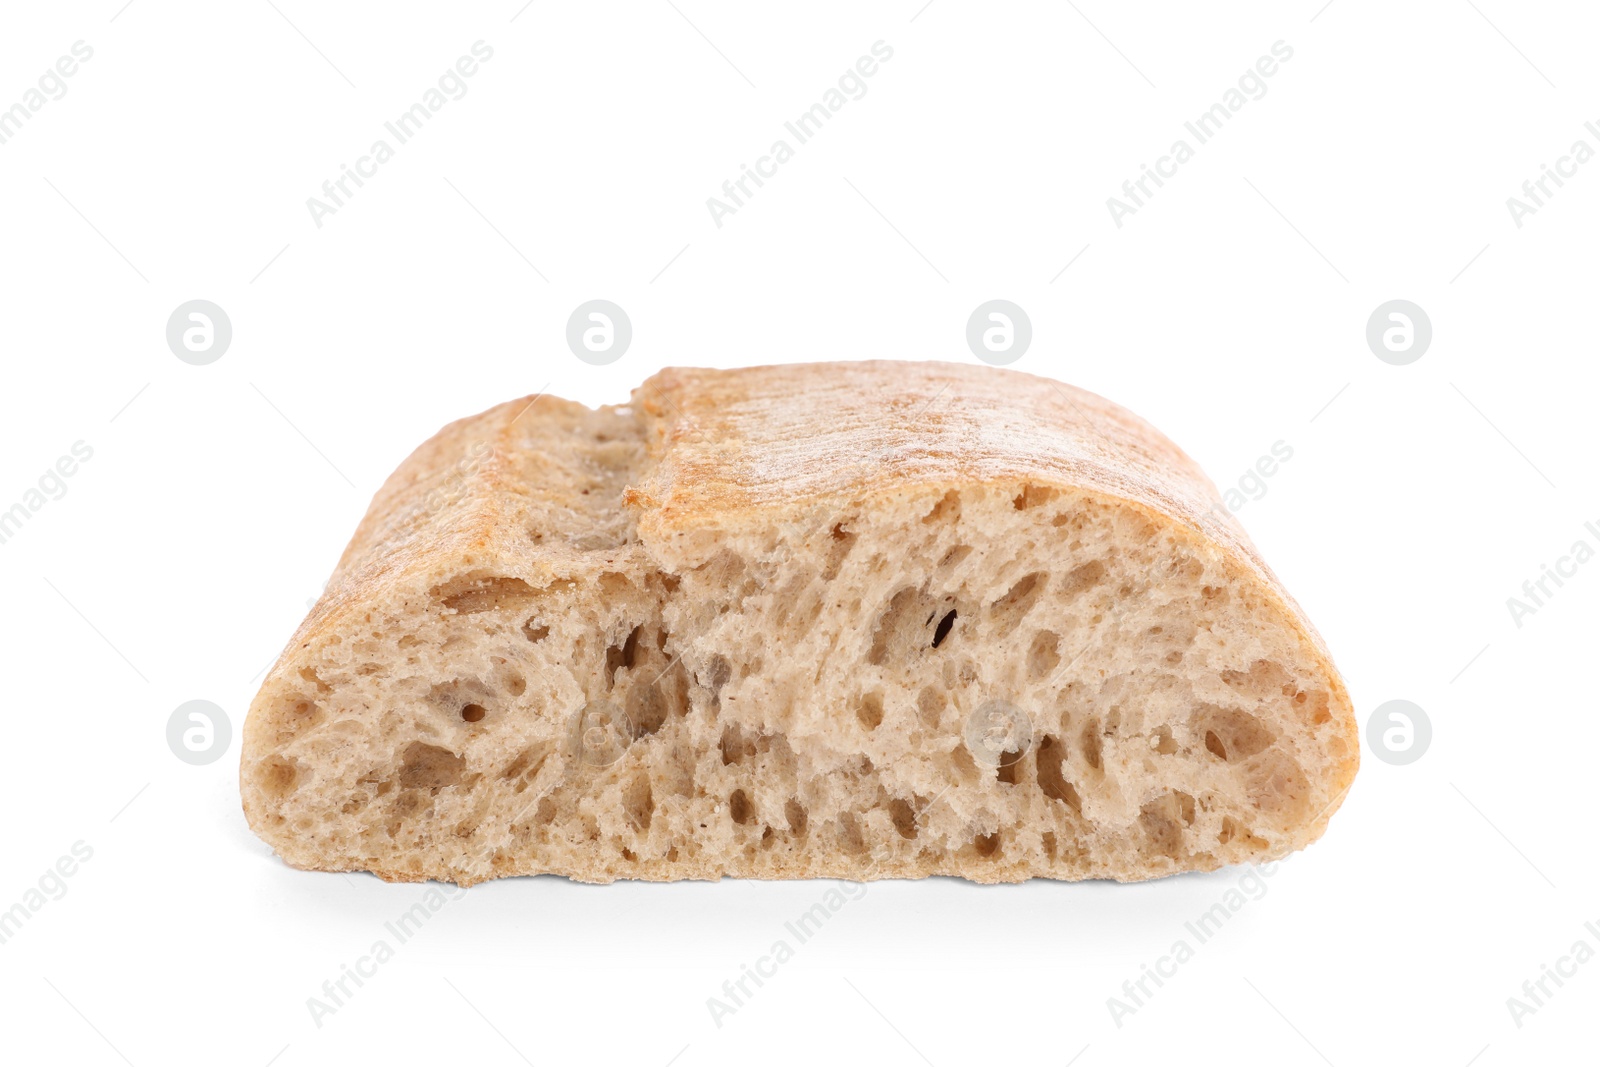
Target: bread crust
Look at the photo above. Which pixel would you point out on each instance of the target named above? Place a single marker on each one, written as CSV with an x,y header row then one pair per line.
x,y
724,449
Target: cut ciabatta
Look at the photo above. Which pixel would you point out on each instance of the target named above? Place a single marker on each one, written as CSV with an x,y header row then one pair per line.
x,y
841,620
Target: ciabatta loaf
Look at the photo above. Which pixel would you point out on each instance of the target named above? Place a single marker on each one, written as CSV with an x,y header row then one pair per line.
x,y
846,620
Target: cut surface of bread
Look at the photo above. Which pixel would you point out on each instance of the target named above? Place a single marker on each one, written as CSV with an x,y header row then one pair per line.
x,y
853,620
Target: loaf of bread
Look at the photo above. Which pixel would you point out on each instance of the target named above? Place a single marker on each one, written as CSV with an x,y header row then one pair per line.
x,y
844,620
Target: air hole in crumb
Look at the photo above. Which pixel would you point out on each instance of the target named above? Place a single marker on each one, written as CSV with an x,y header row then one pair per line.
x,y
1164,820
1044,655
1276,783
795,813
474,712
1263,677
1232,734
870,710
955,555
646,709
738,744
902,625
277,776
310,674
1033,496
943,629
948,509
1091,743
1162,741
638,802
841,541
1020,597
1018,600
524,760
987,844
850,838
1049,766
739,807
930,705
718,672
456,697
623,656
905,820
425,766
1083,577
534,632
303,716
470,595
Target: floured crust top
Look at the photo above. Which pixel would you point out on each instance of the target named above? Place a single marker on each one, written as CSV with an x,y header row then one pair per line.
x,y
769,437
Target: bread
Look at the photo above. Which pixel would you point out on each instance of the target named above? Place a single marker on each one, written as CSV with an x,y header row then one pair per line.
x,y
844,620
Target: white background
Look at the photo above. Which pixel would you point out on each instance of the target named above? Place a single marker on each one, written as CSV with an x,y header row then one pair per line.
x,y
1230,311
